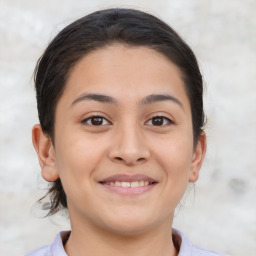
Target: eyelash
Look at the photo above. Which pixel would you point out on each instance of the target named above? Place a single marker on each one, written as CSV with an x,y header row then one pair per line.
x,y
89,119
85,121
169,121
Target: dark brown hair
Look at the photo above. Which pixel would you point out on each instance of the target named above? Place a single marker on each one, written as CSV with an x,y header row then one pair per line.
x,y
94,31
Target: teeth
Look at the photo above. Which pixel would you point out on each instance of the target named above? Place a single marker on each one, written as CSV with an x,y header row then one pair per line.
x,y
134,184
141,183
125,184
118,184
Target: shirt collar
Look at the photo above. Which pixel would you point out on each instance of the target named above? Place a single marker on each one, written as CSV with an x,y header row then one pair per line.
x,y
57,248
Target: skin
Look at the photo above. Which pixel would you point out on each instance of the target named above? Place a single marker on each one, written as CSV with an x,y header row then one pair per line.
x,y
127,142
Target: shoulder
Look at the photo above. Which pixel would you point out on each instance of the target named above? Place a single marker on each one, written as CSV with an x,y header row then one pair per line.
x,y
42,251
188,249
198,251
54,249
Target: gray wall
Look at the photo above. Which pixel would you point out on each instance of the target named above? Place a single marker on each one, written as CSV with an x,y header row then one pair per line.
x,y
221,212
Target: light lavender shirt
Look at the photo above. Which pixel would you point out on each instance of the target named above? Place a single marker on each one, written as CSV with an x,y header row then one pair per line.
x,y
57,249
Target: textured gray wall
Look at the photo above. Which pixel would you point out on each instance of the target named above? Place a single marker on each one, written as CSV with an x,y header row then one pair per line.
x,y
221,214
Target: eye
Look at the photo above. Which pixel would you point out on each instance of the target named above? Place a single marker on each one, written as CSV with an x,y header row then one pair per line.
x,y
96,121
159,121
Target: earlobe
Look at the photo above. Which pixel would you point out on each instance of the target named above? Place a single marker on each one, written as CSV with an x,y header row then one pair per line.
x,y
197,159
45,153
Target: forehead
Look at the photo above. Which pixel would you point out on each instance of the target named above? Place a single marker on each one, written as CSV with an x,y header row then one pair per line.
x,y
125,72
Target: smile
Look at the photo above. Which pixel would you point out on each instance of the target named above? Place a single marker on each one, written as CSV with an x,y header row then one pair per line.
x,y
125,184
128,184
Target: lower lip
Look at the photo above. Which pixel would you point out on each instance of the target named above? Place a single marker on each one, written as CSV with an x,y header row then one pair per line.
x,y
129,190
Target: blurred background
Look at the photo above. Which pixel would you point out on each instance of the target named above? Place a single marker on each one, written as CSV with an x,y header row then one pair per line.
x,y
220,212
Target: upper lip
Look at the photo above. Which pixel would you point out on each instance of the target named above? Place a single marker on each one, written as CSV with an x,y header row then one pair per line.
x,y
128,178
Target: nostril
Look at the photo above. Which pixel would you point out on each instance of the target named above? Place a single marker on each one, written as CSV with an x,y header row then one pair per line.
x,y
129,161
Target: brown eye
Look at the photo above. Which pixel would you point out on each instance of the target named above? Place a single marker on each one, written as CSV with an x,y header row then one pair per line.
x,y
96,121
159,121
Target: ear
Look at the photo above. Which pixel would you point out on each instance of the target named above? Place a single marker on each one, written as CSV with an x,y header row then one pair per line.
x,y
197,159
45,153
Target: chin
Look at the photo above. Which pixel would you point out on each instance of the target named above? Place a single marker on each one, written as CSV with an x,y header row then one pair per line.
x,y
129,224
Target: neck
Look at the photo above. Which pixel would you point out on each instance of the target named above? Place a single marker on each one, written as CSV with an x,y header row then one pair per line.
x,y
97,241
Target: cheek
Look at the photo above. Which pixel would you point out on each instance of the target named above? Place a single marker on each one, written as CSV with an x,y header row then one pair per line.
x,y
77,157
175,157
175,153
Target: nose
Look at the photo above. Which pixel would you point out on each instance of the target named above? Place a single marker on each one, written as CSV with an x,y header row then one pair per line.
x,y
129,147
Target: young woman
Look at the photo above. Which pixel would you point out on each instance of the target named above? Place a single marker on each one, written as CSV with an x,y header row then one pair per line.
x,y
119,97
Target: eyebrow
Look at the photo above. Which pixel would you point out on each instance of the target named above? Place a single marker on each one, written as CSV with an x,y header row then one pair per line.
x,y
110,100
96,97
160,97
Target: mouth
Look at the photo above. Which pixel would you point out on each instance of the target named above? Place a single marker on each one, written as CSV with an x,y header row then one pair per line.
x,y
129,184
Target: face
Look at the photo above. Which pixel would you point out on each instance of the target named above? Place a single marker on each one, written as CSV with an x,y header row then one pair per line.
x,y
124,140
